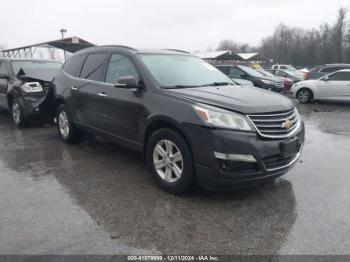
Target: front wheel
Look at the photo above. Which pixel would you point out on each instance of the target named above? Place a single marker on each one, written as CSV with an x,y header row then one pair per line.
x,y
170,160
304,95
66,127
17,114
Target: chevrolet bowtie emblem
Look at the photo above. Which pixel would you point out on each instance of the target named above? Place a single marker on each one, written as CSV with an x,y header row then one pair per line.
x,y
287,124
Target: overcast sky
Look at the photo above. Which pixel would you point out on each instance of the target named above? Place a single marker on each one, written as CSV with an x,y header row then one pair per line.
x,y
183,24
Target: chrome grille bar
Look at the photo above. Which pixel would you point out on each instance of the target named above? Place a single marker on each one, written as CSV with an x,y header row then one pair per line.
x,y
273,125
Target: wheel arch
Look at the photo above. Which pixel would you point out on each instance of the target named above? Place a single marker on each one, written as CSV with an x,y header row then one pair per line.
x,y
309,88
159,122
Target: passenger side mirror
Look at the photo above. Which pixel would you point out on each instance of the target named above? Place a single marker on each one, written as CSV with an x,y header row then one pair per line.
x,y
3,76
126,82
326,78
284,75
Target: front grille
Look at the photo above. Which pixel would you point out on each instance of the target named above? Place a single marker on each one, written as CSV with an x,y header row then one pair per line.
x,y
275,125
279,84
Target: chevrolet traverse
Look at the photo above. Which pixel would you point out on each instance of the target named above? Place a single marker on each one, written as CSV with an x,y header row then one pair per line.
x,y
191,122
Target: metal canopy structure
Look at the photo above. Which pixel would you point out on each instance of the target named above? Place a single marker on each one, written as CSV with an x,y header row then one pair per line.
x,y
70,44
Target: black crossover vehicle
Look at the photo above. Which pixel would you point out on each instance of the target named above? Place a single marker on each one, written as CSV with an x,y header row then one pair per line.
x,y
258,79
187,118
24,85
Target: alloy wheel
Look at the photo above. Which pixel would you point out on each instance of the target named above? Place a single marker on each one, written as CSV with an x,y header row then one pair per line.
x,y
168,161
63,124
16,113
304,96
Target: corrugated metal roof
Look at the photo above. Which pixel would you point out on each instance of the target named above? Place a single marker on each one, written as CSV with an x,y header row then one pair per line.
x,y
247,56
211,55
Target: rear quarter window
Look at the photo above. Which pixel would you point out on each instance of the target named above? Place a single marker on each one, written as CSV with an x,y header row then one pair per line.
x,y
73,65
330,69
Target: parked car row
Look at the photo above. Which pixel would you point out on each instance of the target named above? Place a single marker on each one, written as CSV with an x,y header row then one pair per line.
x,y
257,78
192,123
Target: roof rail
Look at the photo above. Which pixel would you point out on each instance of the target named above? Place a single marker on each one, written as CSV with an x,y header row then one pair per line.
x,y
178,50
121,46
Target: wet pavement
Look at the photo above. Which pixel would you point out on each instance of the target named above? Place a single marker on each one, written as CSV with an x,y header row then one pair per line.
x,y
98,198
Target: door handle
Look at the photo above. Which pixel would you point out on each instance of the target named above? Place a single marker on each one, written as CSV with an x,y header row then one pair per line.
x,y
102,94
74,88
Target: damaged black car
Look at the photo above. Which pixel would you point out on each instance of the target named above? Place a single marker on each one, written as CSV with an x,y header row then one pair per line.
x,y
24,87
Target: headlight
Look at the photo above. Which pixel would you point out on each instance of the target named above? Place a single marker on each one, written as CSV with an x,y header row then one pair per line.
x,y
32,87
268,82
221,118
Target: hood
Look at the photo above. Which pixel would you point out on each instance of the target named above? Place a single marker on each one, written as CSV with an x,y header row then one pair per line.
x,y
243,99
37,74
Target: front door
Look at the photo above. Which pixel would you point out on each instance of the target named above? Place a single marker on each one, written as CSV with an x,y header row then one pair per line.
x,y
120,111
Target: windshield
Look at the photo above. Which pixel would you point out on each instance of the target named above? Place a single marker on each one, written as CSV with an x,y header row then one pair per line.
x,y
251,72
265,73
182,70
17,65
290,68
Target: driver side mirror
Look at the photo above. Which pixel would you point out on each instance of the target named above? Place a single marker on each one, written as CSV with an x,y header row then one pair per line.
x,y
126,82
3,76
326,78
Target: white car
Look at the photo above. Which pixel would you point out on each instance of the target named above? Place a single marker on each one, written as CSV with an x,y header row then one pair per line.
x,y
301,74
332,86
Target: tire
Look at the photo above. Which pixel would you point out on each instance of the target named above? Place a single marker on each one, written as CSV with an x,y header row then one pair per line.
x,y
17,113
67,130
304,95
175,172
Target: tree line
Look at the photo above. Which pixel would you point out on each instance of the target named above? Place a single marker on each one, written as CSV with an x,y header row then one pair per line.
x,y
329,43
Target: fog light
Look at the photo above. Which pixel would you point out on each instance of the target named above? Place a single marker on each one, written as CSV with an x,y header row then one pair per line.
x,y
235,157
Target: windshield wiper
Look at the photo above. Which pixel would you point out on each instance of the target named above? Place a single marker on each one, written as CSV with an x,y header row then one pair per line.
x,y
219,84
178,86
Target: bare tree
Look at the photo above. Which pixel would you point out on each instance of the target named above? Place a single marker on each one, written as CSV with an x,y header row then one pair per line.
x,y
339,33
233,46
326,44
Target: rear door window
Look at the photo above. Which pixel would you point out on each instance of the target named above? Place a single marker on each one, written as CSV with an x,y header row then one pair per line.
x,y
330,69
235,72
73,65
94,67
224,69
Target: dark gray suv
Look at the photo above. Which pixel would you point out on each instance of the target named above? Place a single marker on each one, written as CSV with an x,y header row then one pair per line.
x,y
191,122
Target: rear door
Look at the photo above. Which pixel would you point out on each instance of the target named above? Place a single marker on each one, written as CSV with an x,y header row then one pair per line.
x,y
89,92
3,84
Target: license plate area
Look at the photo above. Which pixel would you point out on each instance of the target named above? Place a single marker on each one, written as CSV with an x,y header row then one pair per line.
x,y
290,147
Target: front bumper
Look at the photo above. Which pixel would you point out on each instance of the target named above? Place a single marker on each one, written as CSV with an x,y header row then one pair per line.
x,y
31,105
214,173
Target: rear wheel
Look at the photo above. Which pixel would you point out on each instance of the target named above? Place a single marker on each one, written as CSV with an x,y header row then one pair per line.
x,y
17,113
304,95
66,127
170,161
